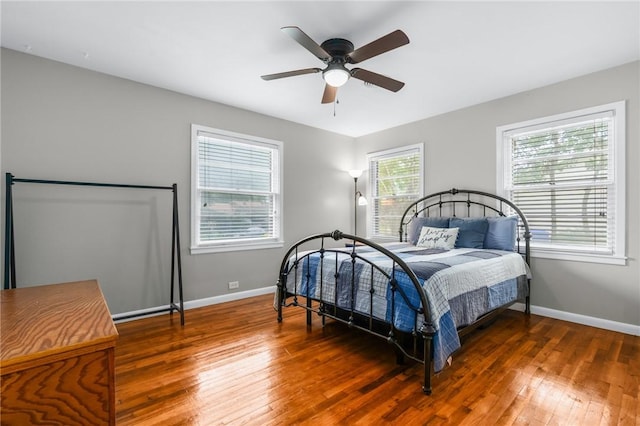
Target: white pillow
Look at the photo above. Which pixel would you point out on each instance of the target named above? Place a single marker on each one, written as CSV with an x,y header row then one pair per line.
x,y
442,238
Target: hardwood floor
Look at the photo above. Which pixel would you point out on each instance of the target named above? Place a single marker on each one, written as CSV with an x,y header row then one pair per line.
x,y
233,363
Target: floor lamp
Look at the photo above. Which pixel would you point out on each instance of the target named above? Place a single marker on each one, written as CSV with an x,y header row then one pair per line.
x,y
359,199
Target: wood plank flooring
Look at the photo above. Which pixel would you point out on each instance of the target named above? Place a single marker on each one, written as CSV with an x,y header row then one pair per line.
x,y
233,363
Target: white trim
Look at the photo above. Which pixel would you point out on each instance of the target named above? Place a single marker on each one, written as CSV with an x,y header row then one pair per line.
x,y
199,303
235,245
562,116
617,152
390,153
578,257
218,248
238,295
605,324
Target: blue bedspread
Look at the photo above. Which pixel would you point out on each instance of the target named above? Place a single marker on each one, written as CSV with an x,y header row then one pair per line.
x,y
460,285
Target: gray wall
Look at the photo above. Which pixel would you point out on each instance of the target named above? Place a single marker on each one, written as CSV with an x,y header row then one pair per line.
x,y
460,152
62,122
66,123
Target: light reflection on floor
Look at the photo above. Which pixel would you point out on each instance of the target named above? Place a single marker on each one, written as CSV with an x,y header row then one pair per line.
x,y
226,381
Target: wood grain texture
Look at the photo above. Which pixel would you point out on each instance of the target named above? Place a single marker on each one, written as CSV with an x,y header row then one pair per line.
x,y
76,393
57,357
234,364
39,323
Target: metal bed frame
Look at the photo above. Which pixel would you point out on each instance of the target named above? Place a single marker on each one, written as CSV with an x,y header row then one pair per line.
x,y
416,345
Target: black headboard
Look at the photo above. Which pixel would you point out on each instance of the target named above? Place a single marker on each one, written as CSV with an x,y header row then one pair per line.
x,y
466,203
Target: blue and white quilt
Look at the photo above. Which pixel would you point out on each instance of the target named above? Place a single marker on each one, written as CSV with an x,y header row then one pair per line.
x,y
460,284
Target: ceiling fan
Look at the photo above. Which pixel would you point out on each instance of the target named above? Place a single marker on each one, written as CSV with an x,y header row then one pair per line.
x,y
336,52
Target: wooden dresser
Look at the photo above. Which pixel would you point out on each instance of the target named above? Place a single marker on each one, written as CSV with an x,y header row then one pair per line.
x,y
57,356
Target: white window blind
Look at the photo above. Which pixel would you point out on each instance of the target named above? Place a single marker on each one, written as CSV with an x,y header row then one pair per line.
x,y
562,173
236,199
395,180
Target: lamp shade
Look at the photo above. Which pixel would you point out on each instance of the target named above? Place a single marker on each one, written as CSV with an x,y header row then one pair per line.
x,y
355,173
362,201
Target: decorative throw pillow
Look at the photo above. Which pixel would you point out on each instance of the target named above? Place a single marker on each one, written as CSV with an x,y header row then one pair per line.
x,y
472,231
501,233
416,224
442,238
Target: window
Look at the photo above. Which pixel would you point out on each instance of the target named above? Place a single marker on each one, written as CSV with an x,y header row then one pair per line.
x,y
236,194
566,173
395,180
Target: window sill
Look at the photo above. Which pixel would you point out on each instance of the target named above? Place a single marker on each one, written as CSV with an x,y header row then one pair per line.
x,y
219,248
579,257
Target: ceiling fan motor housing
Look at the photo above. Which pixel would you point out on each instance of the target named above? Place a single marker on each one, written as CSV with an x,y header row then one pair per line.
x,y
338,48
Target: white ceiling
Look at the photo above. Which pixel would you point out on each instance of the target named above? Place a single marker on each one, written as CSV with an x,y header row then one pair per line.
x,y
460,53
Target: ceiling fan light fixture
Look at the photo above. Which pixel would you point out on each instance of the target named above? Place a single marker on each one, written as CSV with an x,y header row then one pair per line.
x,y
336,76
335,53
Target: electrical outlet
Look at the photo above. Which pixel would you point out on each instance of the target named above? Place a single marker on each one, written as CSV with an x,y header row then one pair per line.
x,y
233,284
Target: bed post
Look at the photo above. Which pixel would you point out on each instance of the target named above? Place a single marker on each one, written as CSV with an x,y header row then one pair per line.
x,y
527,259
279,298
308,308
281,287
428,331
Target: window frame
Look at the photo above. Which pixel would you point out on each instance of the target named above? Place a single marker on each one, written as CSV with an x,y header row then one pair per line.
x,y
384,154
616,197
276,241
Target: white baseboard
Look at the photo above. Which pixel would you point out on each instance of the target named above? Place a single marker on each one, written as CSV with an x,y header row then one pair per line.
x,y
229,297
582,319
192,304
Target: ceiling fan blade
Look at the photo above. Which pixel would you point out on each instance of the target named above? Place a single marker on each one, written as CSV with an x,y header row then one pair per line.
x,y
377,79
307,42
329,94
290,73
379,46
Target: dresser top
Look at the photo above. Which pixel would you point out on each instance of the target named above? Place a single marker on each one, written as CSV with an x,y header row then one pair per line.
x,y
50,320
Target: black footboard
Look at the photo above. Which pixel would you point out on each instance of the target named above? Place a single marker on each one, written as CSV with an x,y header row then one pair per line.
x,y
359,312
395,281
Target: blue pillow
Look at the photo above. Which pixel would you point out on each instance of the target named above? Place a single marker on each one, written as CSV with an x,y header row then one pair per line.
x,y
501,234
472,231
415,226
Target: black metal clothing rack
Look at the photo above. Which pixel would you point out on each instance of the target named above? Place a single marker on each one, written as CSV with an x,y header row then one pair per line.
x,y
176,262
